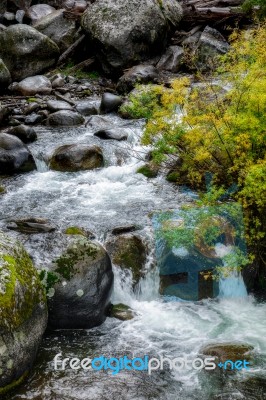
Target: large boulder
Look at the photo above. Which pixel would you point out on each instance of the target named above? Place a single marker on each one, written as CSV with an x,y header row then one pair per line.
x,y
83,279
210,45
58,28
14,155
65,118
129,252
129,31
137,75
24,133
26,52
33,85
5,77
76,157
23,313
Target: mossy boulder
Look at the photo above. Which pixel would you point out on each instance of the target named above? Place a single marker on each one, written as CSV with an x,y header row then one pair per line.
x,y
121,311
23,312
26,52
129,252
149,170
129,31
76,157
79,284
5,77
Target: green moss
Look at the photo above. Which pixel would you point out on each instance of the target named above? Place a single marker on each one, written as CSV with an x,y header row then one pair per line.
x,y
2,190
75,230
66,264
173,177
121,312
14,384
148,171
32,100
17,275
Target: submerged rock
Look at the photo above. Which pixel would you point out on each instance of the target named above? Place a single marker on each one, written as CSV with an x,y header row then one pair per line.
x,y
26,52
228,351
128,32
137,75
76,157
23,313
83,282
14,155
24,133
121,311
128,251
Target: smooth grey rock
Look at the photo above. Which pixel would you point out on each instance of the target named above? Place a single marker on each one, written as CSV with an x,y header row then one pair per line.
x,y
38,11
57,105
110,103
115,134
137,75
58,28
38,84
172,59
76,157
26,52
65,118
33,119
81,297
86,108
14,155
23,312
129,31
24,133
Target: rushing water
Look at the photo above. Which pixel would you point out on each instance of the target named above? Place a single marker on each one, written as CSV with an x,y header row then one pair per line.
x,y
100,200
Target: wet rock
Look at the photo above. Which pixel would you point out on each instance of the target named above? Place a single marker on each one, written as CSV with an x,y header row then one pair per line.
x,y
14,155
76,230
84,281
23,313
110,103
20,14
58,81
39,11
5,77
172,59
33,119
65,118
86,108
76,157
150,170
124,229
129,31
136,75
24,133
129,252
115,134
121,311
97,121
228,351
26,52
33,85
58,28
31,225
58,105
211,44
